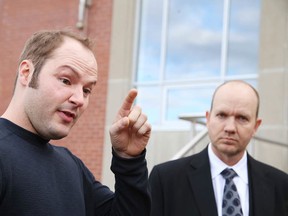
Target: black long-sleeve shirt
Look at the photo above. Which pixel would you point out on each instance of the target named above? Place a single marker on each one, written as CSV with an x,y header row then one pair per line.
x,y
37,178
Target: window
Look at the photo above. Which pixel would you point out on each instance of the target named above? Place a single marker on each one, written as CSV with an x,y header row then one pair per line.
x,y
188,47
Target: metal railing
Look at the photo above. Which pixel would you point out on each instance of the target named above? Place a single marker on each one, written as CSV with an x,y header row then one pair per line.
x,y
203,135
191,145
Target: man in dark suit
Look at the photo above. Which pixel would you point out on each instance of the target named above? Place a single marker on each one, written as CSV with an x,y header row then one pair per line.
x,y
195,185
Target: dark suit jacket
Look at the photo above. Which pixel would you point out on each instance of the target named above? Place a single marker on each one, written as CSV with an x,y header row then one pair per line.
x,y
184,187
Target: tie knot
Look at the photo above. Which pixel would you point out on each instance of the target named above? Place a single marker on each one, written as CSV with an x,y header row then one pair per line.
x,y
228,174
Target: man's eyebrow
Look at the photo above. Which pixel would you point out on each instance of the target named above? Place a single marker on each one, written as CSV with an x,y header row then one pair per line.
x,y
72,70
93,83
75,72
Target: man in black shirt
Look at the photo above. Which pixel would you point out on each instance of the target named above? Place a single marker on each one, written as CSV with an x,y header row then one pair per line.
x,y
56,73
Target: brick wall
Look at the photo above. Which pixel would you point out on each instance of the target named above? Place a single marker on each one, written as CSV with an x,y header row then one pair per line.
x,y
18,20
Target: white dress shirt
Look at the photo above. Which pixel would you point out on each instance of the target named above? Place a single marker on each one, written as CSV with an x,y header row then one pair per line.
x,y
241,181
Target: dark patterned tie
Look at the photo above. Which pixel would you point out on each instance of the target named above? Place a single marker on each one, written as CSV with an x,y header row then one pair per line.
x,y
231,205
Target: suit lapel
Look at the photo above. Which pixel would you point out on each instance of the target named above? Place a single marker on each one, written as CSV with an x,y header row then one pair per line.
x,y
261,191
201,184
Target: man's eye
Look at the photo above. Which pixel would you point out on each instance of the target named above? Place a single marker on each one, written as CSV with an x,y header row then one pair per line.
x,y
65,81
242,118
221,115
87,91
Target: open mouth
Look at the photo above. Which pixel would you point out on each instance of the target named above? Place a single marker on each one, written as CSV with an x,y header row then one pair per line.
x,y
69,114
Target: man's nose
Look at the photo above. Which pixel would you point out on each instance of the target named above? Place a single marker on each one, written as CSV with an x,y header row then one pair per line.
x,y
230,126
77,97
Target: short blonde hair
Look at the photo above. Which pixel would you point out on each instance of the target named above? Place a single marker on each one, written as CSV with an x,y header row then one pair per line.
x,y
40,46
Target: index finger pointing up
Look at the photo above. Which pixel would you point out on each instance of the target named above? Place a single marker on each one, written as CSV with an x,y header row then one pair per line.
x,y
127,103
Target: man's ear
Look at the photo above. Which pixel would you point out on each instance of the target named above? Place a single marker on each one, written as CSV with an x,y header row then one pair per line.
x,y
207,114
257,124
25,71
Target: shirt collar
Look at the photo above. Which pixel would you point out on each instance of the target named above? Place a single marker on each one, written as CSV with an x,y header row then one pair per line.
x,y
217,166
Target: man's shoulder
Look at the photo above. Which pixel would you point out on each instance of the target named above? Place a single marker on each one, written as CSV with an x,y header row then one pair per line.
x,y
173,163
267,170
4,132
184,162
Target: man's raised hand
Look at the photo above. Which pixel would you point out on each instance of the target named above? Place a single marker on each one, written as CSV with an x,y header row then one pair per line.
x,y
130,131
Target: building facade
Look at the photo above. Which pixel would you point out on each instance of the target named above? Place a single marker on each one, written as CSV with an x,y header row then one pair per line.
x,y
272,84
